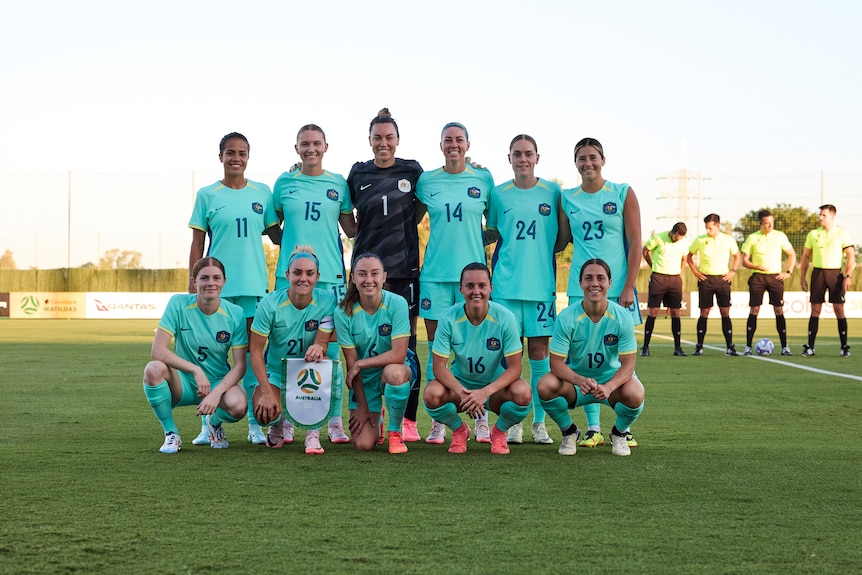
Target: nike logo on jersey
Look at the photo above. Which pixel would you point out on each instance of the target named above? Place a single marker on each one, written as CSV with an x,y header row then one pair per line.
x,y
185,329
292,190
507,211
433,194
364,187
219,208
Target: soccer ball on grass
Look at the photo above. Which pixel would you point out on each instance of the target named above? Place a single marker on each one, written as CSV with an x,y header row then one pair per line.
x,y
764,346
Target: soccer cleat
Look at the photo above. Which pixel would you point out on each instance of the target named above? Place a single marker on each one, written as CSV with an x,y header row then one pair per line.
x,y
515,434
807,351
698,350
437,435
747,350
312,442
288,432
336,434
255,434
203,437
645,351
396,443
619,446
630,439
731,351
459,439
483,432
172,443
677,351
845,351
218,437
786,350
569,444
275,435
409,432
540,434
499,445
592,439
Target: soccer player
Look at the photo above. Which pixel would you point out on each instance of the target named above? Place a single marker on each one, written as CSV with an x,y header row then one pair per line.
x,y
665,253
593,361
456,196
604,219
479,333
523,211
373,327
387,212
206,330
295,323
233,213
312,202
714,250
825,247
761,252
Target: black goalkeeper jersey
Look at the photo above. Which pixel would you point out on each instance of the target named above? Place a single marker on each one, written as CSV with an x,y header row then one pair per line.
x,y
386,214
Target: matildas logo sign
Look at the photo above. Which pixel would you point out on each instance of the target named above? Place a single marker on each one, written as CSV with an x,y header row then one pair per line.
x,y
307,396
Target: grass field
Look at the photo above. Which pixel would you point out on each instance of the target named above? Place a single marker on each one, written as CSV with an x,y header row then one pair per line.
x,y
745,465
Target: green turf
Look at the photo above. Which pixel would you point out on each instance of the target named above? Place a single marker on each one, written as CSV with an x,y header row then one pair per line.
x,y
744,466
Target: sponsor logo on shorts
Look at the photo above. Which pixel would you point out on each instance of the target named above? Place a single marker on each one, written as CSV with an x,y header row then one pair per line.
x,y
474,193
611,339
223,337
545,209
493,344
257,207
312,325
426,303
385,330
332,195
609,208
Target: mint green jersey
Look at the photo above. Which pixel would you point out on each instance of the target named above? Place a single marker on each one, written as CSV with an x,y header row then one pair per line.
x,y
205,340
667,255
235,220
290,330
372,335
478,349
523,264
766,249
594,349
598,231
714,253
456,204
311,206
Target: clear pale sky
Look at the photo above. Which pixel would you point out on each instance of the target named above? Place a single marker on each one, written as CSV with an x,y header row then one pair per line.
x,y
755,88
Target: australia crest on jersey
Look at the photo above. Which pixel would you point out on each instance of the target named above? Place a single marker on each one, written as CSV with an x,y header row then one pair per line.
x,y
493,344
222,337
384,329
332,194
609,208
474,193
611,339
425,303
544,209
257,207
404,185
312,325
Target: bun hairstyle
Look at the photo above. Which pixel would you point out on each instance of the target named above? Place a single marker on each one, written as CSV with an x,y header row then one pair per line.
x,y
231,136
384,117
313,128
520,137
207,262
590,142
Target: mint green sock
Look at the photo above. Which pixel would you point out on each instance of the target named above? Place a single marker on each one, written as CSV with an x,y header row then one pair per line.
x,y
159,397
538,368
447,414
511,414
333,352
593,413
429,366
626,416
396,403
221,416
249,383
558,409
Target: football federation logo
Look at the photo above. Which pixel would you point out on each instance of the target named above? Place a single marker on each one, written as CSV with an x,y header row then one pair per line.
x,y
385,330
257,207
426,303
611,339
311,325
404,186
544,209
493,344
609,208
308,380
30,305
332,195
474,193
223,337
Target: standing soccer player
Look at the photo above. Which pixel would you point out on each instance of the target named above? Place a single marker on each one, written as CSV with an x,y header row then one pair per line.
x,y
387,214
456,196
233,213
761,252
714,250
665,252
479,333
593,361
312,202
604,219
523,211
825,247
